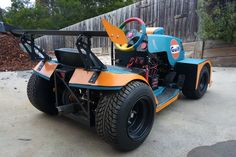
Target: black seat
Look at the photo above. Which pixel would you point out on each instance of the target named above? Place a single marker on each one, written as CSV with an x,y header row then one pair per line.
x,y
69,56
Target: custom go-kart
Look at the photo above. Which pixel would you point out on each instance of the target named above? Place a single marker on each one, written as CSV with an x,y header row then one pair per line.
x,y
147,74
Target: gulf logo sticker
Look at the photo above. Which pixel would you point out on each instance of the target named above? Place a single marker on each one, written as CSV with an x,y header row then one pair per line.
x,y
174,48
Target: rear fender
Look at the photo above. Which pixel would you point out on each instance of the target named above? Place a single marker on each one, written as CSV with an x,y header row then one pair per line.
x,y
45,69
104,80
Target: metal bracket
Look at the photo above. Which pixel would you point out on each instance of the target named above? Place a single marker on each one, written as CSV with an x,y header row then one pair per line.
x,y
90,61
94,77
28,41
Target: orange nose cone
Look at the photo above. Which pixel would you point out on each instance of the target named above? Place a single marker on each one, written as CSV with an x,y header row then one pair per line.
x,y
115,34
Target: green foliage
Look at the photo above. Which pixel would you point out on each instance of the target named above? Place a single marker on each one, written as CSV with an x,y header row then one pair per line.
x,y
18,4
37,17
55,14
218,20
1,14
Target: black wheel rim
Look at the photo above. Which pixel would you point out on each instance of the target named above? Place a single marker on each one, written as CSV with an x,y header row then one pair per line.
x,y
139,120
203,82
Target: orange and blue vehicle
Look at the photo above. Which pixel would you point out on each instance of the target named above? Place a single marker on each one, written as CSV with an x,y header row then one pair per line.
x,y
148,72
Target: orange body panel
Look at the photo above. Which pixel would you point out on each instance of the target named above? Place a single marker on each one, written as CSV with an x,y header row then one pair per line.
x,y
156,99
150,30
47,68
199,68
107,79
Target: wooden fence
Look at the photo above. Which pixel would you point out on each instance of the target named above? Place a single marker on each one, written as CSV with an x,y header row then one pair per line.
x,y
178,17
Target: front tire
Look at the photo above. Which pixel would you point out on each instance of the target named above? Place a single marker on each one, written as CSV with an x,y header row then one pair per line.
x,y
202,85
41,95
125,118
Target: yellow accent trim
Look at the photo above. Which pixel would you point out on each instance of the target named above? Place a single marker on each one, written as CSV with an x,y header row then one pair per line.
x,y
124,47
167,103
199,68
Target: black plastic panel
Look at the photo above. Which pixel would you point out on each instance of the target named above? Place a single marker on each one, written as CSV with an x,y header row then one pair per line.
x,y
69,56
190,72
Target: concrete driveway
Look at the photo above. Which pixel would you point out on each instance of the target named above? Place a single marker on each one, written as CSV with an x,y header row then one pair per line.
x,y
177,130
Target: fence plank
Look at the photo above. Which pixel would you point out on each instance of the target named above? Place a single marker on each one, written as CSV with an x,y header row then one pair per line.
x,y
178,17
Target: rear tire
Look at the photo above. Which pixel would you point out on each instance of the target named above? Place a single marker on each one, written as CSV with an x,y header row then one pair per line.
x,y
125,118
40,94
202,85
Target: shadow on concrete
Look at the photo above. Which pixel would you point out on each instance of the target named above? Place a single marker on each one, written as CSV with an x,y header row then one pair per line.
x,y
221,149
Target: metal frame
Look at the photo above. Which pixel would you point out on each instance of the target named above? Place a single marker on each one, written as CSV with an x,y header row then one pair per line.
x,y
112,54
90,60
71,108
29,40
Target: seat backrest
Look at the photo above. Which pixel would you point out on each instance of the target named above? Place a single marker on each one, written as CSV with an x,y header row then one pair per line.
x,y
69,56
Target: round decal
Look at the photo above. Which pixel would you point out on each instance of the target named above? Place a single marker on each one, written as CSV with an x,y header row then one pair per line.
x,y
174,48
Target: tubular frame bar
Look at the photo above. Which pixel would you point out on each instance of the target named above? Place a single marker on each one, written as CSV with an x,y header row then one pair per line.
x,y
72,93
